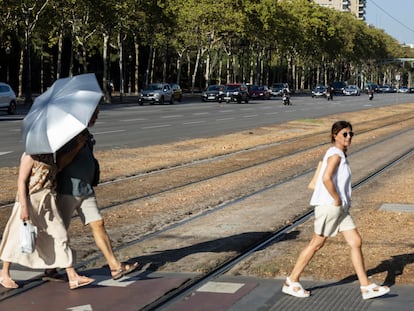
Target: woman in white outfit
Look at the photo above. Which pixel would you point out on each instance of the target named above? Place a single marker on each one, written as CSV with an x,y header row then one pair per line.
x,y
332,200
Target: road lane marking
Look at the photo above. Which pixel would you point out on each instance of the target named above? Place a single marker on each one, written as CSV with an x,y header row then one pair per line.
x,y
5,152
225,119
155,126
109,132
193,122
200,113
172,116
251,116
133,120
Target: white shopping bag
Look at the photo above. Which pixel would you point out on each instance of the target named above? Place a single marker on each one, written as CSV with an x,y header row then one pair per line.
x,y
28,234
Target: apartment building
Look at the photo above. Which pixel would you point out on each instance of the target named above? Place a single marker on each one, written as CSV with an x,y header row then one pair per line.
x,y
356,7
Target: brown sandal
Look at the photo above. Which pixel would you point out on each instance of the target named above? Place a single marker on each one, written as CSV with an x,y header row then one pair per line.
x,y
125,269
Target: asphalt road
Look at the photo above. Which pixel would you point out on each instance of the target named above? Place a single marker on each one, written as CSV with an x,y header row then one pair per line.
x,y
127,124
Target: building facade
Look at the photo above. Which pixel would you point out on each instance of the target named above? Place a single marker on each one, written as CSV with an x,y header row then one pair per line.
x,y
356,7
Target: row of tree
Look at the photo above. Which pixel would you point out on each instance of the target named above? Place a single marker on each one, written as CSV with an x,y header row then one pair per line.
x,y
191,42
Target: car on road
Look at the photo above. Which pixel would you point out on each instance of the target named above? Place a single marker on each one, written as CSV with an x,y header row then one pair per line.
x,y
371,86
8,99
352,90
338,87
212,92
177,91
159,93
319,91
277,89
258,92
387,89
234,92
403,89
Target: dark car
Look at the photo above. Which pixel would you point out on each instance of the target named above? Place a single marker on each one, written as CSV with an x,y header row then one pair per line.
x,y
338,87
373,87
212,92
234,92
177,91
319,91
156,93
259,92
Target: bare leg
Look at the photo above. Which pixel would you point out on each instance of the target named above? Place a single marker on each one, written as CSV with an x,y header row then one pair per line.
x,y
104,244
354,240
5,278
306,256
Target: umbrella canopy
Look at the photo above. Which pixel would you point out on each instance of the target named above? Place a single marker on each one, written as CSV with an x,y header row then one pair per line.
x,y
60,113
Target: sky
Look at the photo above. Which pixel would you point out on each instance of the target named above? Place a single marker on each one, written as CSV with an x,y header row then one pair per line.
x,y
396,17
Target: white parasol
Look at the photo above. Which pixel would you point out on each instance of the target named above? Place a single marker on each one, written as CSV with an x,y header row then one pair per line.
x,y
60,113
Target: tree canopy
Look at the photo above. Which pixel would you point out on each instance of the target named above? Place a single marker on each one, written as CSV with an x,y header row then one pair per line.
x,y
192,43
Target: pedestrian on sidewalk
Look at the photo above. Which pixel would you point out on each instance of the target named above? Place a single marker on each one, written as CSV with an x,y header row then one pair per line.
x,y
75,192
332,200
35,202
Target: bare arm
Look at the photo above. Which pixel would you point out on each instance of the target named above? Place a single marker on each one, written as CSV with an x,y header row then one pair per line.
x,y
25,169
332,165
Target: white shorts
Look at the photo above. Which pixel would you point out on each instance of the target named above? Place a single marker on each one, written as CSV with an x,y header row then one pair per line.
x,y
331,219
86,206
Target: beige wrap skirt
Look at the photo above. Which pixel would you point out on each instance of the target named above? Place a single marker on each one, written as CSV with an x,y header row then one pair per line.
x,y
52,246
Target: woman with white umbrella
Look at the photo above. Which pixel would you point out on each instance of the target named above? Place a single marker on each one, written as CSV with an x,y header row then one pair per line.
x,y
36,203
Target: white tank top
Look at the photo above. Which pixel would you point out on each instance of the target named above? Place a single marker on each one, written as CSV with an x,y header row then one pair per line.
x,y
341,179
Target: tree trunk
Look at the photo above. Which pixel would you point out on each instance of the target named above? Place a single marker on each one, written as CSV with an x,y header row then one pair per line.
x,y
107,96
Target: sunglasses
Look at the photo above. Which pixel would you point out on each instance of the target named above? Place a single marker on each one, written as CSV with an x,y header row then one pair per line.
x,y
345,134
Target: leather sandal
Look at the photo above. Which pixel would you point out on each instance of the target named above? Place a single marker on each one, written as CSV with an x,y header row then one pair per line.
x,y
294,289
8,283
125,269
80,282
373,290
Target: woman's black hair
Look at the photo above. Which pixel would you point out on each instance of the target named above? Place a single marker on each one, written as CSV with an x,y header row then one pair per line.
x,y
337,127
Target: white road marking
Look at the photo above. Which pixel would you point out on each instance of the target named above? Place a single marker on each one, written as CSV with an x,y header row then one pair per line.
x,y
200,113
81,308
122,282
108,132
155,126
194,122
171,116
5,152
251,116
133,120
225,119
220,287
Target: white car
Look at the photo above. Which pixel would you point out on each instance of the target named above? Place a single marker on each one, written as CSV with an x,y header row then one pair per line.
x,y
8,99
352,90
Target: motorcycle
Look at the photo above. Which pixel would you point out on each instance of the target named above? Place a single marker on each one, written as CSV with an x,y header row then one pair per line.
x,y
371,95
329,96
286,99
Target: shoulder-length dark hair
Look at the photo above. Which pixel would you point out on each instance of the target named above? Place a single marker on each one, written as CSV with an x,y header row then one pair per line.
x,y
337,127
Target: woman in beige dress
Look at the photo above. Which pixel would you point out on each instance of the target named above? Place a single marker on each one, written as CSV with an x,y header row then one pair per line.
x,y
36,202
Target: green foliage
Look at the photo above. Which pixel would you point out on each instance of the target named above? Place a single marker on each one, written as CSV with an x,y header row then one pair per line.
x,y
290,29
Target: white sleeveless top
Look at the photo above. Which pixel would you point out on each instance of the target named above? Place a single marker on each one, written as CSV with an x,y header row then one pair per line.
x,y
341,179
